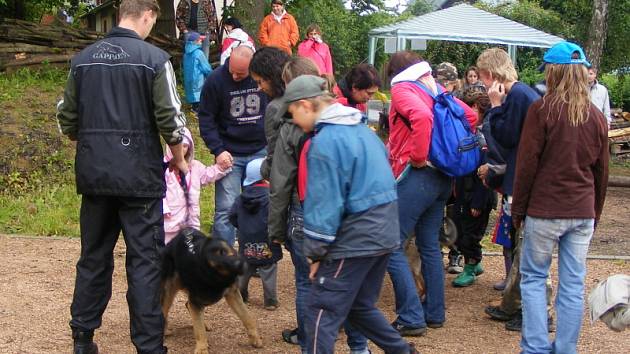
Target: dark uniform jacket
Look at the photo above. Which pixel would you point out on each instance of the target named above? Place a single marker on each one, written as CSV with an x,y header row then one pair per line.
x,y
119,98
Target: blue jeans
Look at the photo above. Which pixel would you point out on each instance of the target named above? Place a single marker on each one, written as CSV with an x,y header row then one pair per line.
x,y
408,306
422,196
226,190
540,236
295,241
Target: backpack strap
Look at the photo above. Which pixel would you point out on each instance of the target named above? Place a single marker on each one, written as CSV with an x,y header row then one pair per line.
x,y
404,119
426,89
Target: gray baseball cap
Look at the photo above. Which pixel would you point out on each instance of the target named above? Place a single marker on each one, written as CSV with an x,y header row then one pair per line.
x,y
304,86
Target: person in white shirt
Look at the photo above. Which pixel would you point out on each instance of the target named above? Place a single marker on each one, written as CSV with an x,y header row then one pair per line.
x,y
599,94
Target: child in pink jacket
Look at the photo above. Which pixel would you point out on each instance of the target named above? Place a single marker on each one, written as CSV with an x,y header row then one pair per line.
x,y
181,207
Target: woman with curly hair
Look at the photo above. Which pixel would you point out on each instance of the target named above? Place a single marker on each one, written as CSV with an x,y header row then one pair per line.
x,y
266,69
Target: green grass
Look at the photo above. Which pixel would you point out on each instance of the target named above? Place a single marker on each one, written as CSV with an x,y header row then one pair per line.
x,y
15,85
49,211
37,189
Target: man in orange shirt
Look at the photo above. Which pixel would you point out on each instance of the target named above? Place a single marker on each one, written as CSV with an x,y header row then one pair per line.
x,y
279,29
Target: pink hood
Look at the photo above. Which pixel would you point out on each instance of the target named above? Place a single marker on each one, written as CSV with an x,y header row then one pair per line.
x,y
178,212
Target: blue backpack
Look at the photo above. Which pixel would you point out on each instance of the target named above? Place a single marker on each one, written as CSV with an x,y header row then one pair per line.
x,y
454,149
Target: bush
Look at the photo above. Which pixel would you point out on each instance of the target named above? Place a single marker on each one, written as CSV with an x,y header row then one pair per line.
x,y
618,89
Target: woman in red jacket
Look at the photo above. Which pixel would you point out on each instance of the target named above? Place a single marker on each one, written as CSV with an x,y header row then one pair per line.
x,y
422,189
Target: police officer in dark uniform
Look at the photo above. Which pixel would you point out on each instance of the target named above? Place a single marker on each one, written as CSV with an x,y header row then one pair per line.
x,y
120,98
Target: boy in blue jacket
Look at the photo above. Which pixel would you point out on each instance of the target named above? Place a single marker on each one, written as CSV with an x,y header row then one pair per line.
x,y
350,219
196,69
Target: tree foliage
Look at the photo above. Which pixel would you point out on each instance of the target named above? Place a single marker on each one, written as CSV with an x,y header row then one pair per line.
x,y
31,10
345,30
418,8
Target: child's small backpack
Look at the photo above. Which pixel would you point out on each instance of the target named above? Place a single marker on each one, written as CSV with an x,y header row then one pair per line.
x,y
454,149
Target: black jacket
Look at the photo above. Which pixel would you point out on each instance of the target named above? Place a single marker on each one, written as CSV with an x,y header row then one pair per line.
x,y
249,215
119,98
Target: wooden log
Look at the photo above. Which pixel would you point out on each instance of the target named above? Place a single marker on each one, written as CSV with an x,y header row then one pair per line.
x,y
27,43
619,125
619,181
38,59
616,133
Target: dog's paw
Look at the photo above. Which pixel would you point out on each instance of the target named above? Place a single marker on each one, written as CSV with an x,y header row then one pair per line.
x,y
202,350
256,341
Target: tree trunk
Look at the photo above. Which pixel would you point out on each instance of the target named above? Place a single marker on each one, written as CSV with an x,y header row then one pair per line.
x,y
19,10
597,33
250,13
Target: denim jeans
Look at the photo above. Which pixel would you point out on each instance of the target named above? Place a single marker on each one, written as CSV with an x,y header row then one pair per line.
x,y
539,239
226,190
295,241
422,196
408,306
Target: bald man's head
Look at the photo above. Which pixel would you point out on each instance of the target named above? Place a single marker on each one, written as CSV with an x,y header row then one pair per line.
x,y
240,58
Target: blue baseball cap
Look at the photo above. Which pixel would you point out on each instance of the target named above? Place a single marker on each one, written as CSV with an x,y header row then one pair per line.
x,y
565,53
193,36
252,172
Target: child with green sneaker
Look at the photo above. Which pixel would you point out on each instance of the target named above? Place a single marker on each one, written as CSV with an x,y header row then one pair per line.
x,y
473,204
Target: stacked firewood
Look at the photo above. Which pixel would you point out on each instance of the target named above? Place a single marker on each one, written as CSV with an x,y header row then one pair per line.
x,y
619,133
29,44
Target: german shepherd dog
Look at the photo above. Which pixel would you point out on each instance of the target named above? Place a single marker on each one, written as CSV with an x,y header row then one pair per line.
x,y
206,269
448,237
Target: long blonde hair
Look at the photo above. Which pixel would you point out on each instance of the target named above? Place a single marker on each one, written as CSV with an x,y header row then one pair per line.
x,y
567,84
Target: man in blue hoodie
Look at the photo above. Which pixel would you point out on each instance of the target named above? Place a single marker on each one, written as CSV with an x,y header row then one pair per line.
x,y
350,219
231,124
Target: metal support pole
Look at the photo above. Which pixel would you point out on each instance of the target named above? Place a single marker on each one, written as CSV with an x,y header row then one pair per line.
x,y
372,50
401,43
512,53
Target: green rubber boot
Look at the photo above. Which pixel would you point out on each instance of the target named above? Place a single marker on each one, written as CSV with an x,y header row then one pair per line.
x,y
465,278
478,269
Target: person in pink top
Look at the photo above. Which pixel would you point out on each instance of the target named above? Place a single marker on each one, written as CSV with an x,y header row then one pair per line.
x,y
181,203
314,48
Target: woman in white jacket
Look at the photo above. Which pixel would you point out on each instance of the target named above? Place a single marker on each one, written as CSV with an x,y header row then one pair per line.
x,y
235,37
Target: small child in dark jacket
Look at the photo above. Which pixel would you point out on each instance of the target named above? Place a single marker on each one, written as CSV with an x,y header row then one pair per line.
x,y
473,204
249,215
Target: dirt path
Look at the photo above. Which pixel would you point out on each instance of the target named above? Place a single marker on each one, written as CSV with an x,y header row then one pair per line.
x,y
613,233
37,279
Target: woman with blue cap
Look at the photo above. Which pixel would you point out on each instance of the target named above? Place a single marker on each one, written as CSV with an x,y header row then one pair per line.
x,y
559,192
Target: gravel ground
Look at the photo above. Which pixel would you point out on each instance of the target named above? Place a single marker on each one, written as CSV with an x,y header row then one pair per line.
x,y
37,281
612,236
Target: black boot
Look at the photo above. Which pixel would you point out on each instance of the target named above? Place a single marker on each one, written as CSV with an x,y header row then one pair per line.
x,y
83,343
